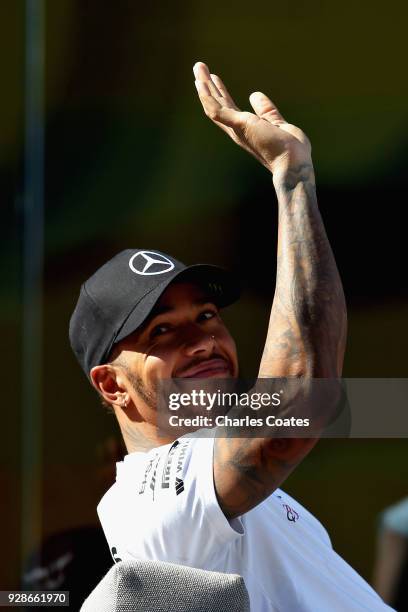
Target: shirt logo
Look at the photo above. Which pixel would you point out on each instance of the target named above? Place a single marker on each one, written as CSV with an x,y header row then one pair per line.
x,y
149,263
165,483
179,467
179,485
146,474
291,514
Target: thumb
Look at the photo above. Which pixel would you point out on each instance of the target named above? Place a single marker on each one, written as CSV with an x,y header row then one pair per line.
x,y
265,108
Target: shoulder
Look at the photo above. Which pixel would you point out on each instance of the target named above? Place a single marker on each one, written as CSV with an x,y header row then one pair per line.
x,y
169,492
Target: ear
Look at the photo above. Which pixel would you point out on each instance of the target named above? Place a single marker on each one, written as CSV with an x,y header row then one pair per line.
x,y
110,384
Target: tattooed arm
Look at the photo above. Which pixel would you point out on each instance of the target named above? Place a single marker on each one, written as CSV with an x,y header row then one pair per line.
x,y
307,328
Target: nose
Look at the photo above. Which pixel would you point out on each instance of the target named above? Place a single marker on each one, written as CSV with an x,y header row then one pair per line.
x,y
199,342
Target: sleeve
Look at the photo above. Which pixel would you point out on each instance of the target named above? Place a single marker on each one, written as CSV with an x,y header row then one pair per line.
x,y
175,515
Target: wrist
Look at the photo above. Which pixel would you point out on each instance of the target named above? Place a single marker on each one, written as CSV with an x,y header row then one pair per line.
x,y
289,173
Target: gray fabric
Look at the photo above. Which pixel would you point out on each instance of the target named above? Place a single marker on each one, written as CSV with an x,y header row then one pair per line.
x,y
153,586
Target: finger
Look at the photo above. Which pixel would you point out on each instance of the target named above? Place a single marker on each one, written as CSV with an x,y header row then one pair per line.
x,y
201,71
202,88
213,88
224,91
204,91
229,117
217,112
202,74
265,108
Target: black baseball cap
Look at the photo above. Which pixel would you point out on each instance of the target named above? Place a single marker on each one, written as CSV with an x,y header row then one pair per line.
x,y
116,300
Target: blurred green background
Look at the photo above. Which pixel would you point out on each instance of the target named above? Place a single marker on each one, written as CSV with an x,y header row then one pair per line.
x,y
130,161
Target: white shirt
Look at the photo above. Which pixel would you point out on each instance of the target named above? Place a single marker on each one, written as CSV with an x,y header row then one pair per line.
x,y
163,507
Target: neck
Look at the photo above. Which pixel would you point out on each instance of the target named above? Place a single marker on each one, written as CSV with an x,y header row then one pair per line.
x,y
141,437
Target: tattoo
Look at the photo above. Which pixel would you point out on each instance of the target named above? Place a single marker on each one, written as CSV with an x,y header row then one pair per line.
x,y
306,338
307,328
247,472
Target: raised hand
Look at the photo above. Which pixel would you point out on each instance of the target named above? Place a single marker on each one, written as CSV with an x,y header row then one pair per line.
x,y
278,145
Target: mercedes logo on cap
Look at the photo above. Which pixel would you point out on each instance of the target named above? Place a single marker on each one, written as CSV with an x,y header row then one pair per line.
x,y
148,263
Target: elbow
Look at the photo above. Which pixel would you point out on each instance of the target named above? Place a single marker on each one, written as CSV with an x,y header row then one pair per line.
x,y
288,452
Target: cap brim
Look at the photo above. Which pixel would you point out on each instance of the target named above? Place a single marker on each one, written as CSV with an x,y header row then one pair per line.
x,y
221,285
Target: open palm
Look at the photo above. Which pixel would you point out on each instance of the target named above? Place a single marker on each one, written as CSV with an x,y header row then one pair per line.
x,y
265,133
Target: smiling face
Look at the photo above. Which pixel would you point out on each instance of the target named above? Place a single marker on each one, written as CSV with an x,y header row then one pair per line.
x,y
184,337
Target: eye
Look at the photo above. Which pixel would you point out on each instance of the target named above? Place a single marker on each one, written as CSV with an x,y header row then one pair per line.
x,y
159,330
207,314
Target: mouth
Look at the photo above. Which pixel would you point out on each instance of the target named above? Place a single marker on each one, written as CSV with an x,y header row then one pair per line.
x,y
210,368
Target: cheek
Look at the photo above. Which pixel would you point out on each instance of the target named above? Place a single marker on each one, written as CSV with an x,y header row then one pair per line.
x,y
228,344
158,366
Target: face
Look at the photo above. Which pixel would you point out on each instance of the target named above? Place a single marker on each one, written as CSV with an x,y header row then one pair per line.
x,y
184,337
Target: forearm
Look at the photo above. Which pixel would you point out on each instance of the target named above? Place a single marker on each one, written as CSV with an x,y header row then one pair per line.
x,y
307,328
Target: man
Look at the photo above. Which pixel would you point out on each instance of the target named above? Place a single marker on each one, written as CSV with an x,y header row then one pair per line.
x,y
214,503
